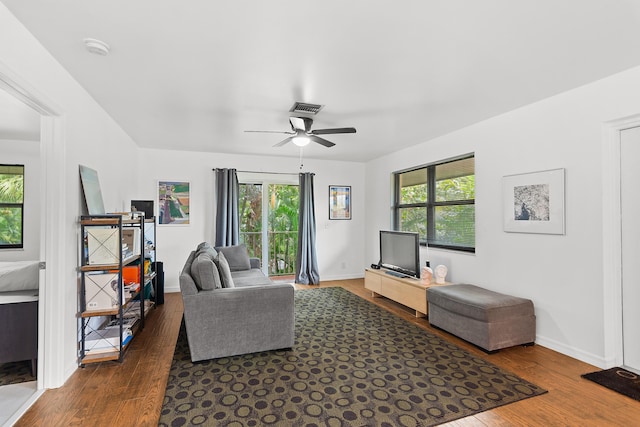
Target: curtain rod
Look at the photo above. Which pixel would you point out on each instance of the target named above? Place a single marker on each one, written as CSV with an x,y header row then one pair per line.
x,y
270,173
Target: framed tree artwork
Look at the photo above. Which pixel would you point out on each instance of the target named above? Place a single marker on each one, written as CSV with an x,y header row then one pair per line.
x,y
534,202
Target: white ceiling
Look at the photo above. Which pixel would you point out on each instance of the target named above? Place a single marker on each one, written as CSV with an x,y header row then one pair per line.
x,y
193,75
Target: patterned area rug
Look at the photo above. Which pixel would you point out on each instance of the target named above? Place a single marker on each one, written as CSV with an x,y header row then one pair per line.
x,y
15,372
353,364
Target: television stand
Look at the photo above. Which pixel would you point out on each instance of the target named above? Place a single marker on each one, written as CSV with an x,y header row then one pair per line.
x,y
404,290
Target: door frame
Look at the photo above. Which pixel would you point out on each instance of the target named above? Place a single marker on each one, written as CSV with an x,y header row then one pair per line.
x,y
612,238
50,368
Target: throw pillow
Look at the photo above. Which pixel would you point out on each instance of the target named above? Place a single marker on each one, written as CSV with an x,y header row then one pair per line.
x,y
225,271
205,247
210,252
237,256
205,273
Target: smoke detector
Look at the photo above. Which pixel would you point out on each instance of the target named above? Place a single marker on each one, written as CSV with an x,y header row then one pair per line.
x,y
97,47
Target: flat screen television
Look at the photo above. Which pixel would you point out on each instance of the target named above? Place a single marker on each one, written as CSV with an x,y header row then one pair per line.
x,y
400,252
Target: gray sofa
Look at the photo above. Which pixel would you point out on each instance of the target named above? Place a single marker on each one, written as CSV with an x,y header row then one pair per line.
x,y
231,307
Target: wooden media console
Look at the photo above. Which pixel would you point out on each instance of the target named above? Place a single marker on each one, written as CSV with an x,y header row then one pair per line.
x,y
404,290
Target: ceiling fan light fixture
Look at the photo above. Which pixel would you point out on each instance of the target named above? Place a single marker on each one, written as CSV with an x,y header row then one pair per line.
x,y
97,47
301,141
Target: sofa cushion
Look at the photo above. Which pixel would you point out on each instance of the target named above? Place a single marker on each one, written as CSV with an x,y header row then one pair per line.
x,y
479,303
225,271
205,273
206,248
203,245
253,277
237,256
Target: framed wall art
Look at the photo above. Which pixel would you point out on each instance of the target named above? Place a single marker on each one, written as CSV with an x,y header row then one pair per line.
x,y
534,202
173,202
339,202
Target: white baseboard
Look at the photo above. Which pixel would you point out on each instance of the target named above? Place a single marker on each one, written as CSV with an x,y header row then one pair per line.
x,y
576,353
358,275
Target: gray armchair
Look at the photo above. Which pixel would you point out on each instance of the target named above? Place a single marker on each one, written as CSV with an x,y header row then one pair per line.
x,y
253,315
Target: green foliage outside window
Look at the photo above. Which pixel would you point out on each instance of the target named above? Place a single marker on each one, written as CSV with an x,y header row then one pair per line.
x,y
11,205
446,219
282,222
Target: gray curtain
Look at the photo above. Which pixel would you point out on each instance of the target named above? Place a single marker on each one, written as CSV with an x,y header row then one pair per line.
x,y
227,218
306,260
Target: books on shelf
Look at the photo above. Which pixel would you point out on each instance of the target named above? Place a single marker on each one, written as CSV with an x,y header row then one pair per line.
x,y
131,237
106,339
101,291
127,323
133,309
103,246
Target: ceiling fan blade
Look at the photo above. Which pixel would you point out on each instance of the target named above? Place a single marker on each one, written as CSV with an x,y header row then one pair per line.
x,y
321,141
301,123
332,131
284,141
270,131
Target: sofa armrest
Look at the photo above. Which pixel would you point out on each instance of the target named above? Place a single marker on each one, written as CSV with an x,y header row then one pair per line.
x,y
231,321
255,262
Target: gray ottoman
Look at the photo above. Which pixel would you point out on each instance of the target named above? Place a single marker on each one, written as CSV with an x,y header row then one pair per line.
x,y
488,319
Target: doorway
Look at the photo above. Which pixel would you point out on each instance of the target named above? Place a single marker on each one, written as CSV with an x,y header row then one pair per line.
x,y
630,247
269,224
20,236
51,251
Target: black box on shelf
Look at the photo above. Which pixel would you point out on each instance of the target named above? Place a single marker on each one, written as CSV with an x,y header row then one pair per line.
x,y
145,206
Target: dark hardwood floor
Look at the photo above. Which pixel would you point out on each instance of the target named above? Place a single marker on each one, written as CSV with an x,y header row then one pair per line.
x,y
131,393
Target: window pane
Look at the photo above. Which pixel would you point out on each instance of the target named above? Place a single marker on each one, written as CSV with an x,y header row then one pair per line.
x,y
250,212
455,225
414,219
11,184
284,201
413,186
455,181
11,226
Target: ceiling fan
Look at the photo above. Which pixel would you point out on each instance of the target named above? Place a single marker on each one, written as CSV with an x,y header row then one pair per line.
x,y
302,134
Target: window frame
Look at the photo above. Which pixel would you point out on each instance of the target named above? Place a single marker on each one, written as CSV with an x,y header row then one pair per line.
x,y
431,204
20,206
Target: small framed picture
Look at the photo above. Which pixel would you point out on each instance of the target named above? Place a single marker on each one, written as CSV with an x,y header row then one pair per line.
x,y
173,203
339,202
534,202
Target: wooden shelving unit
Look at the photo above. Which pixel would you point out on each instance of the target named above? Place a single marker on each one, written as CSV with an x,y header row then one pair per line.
x,y
110,314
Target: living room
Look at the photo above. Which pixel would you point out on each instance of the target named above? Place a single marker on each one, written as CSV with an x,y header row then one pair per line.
x,y
572,278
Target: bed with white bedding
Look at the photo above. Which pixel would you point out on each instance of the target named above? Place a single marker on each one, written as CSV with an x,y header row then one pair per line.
x,y
19,276
19,282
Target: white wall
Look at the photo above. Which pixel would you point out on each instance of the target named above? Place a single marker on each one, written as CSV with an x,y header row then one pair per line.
x,y
339,243
90,137
25,153
563,275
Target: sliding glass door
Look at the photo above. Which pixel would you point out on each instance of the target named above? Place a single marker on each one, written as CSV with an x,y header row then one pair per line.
x,y
269,225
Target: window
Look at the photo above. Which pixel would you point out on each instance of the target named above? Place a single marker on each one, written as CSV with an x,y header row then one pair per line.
x,y
11,205
269,221
438,202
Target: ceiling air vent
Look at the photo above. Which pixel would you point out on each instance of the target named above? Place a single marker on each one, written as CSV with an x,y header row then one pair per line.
x,y
302,108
